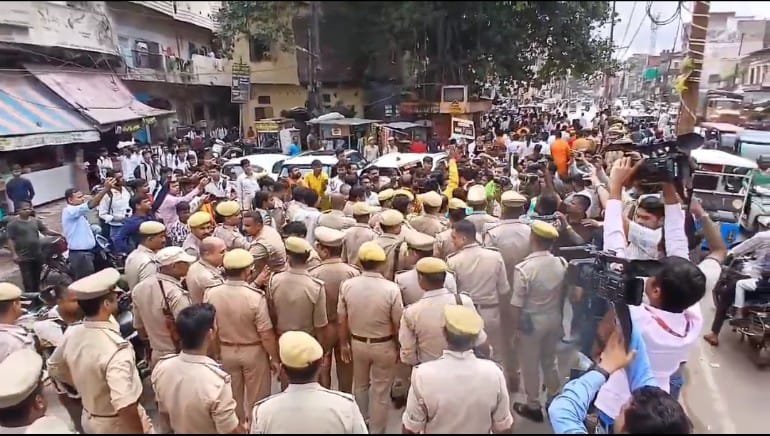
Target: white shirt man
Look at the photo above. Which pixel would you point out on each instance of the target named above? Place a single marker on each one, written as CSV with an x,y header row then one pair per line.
x,y
309,216
114,208
247,186
128,164
103,164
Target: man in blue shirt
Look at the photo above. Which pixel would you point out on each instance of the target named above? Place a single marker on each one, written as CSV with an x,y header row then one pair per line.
x,y
77,230
18,188
651,410
294,148
127,238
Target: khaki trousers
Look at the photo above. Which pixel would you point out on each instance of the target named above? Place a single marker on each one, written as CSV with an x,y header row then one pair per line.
x,y
249,369
492,326
344,370
374,367
537,351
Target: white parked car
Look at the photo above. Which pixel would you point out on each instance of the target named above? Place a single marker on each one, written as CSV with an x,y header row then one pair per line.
x,y
395,164
262,163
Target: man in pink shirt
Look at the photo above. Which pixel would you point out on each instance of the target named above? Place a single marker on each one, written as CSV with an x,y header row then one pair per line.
x,y
167,209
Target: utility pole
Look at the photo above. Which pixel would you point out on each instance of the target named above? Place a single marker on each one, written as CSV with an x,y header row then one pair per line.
x,y
314,56
738,63
696,45
608,70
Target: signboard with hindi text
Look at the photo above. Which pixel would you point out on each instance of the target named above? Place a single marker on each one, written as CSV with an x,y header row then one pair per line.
x,y
463,128
240,88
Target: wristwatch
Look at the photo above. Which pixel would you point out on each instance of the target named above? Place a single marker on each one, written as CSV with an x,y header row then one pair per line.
x,y
600,370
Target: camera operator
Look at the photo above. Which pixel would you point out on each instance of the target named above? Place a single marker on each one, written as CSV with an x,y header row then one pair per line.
x,y
670,319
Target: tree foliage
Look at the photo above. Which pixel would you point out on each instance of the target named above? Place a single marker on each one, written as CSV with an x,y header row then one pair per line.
x,y
268,21
450,42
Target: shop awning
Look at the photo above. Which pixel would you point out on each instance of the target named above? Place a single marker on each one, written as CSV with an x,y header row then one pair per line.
x,y
97,94
33,116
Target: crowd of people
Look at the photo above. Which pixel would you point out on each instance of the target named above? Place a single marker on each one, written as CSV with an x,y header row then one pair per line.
x,y
441,291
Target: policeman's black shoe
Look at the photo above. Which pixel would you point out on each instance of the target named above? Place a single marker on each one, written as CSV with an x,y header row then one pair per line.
x,y
529,412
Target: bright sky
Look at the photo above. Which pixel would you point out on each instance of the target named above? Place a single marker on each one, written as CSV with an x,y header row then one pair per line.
x,y
632,15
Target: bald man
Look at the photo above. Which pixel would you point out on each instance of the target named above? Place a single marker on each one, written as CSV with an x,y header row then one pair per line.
x,y
338,201
205,272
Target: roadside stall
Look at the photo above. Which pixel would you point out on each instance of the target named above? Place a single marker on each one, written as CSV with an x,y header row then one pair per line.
x,y
275,135
342,132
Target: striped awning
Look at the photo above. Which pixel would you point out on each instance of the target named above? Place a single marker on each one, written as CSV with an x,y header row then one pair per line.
x,y
33,116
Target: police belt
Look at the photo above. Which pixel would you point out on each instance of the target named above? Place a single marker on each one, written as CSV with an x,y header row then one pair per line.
x,y
372,340
233,344
100,416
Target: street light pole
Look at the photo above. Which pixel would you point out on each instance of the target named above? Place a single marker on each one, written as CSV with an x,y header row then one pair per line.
x,y
738,62
608,70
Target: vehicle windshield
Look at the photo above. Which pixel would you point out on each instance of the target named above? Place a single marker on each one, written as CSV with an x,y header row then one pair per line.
x,y
727,105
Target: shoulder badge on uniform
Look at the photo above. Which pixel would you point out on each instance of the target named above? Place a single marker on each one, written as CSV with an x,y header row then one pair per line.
x,y
450,255
492,248
217,369
317,281
344,395
116,338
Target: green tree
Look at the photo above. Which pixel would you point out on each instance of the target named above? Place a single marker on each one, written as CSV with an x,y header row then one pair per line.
x,y
464,42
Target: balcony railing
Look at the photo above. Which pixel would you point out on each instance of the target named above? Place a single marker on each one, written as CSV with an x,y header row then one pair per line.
x,y
158,67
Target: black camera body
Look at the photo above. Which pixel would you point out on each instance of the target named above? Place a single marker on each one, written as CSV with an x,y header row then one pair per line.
x,y
612,278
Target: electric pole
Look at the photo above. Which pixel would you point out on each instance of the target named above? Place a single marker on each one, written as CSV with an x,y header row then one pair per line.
x,y
696,45
608,70
314,58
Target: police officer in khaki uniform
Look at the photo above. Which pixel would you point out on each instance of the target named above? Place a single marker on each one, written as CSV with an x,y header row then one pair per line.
x,y
332,272
390,240
160,297
418,246
480,272
200,228
359,233
335,219
265,243
421,335
305,406
477,199
430,222
244,331
444,246
297,299
510,236
370,310
206,271
140,263
384,197
229,229
538,291
22,403
12,336
98,362
458,393
192,388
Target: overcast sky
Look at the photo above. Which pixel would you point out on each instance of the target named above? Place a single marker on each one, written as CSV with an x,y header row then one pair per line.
x,y
632,14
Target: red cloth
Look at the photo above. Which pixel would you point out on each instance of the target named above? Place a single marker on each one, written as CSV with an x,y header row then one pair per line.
x,y
418,147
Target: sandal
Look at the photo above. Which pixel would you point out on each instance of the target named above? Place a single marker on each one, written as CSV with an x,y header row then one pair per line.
x,y
531,413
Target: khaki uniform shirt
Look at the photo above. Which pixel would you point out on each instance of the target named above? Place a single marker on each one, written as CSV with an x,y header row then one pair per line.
x,y
332,272
429,224
100,364
140,264
392,245
440,401
268,247
148,310
479,219
191,245
480,272
314,259
511,239
335,219
443,246
305,409
410,288
354,238
232,237
14,338
538,285
372,305
299,301
241,312
200,277
196,393
421,334
48,424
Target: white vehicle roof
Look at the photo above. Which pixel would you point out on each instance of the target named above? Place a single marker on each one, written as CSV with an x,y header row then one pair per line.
x,y
718,157
396,160
266,161
307,160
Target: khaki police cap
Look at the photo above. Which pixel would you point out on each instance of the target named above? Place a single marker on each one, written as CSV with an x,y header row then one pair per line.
x,y
405,192
513,199
297,245
431,265
298,349
237,258
477,194
151,228
198,219
171,255
371,251
328,236
462,320
228,208
335,221
544,230
431,198
21,371
386,194
391,217
95,285
361,208
456,203
9,292
419,241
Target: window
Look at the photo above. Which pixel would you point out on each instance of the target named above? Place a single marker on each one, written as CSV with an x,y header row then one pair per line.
x,y
259,49
714,78
198,113
262,113
263,99
326,98
147,55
